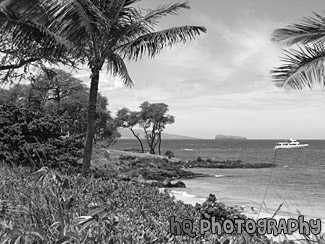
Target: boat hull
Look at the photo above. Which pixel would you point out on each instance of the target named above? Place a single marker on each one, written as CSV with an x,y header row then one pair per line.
x,y
291,146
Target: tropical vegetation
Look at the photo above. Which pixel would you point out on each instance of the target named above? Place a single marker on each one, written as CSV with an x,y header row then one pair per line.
x,y
303,63
152,118
58,94
50,207
96,33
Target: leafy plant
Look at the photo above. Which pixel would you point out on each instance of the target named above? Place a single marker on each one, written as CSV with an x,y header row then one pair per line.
x,y
50,207
29,138
169,154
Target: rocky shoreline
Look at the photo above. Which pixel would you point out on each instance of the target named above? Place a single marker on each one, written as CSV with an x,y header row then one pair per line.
x,y
226,164
156,170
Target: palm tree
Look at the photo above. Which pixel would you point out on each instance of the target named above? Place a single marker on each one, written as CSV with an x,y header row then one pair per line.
x,y
99,32
304,63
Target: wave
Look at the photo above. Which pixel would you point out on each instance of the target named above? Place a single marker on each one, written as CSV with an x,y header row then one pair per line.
x,y
188,149
219,176
182,193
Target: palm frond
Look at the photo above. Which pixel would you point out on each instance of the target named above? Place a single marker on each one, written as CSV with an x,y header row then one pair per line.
x,y
153,15
303,68
130,2
25,34
116,66
151,44
77,20
133,23
311,30
83,15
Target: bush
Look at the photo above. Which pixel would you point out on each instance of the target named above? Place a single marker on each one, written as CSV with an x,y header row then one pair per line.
x,y
169,154
30,138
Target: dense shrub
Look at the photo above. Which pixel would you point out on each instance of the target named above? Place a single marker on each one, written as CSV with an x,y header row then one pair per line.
x,y
169,154
30,138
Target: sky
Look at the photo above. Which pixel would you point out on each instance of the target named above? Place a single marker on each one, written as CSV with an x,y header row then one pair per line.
x,y
220,82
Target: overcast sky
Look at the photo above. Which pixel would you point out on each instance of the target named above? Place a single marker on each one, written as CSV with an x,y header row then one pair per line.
x,y
220,83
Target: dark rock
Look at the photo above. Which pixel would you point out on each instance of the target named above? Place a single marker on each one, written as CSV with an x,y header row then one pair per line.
x,y
179,184
226,164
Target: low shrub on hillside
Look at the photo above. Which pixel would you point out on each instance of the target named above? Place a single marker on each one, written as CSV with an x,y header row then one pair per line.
x,y
49,207
169,154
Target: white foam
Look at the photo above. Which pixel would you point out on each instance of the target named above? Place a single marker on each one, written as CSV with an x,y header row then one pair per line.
x,y
182,193
219,176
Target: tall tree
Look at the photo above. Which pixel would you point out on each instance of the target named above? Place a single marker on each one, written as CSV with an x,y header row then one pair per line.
x,y
128,119
99,32
304,62
153,119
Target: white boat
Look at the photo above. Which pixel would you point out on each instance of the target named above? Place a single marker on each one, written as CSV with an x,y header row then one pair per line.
x,y
290,144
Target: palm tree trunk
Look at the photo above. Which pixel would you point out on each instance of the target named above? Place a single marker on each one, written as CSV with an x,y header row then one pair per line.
x,y
91,120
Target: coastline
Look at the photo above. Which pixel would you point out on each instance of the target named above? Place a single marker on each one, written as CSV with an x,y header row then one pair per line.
x,y
247,186
186,198
231,186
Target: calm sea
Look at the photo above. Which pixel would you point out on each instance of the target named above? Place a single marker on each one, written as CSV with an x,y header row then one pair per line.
x,y
297,182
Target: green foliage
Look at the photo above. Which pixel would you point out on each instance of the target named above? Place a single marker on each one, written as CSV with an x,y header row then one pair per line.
x,y
92,32
213,208
58,94
50,207
303,58
30,138
169,154
47,206
153,119
3,96
128,119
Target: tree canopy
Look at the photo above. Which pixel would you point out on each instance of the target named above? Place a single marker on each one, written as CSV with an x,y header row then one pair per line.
x,y
129,119
153,120
58,94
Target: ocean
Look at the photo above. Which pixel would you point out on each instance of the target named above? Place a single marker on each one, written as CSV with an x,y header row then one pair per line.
x,y
298,182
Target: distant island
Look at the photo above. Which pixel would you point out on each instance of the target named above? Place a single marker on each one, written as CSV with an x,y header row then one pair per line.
x,y
224,137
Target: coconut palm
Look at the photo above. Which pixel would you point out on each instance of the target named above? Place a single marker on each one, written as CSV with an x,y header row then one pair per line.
x,y
98,32
303,65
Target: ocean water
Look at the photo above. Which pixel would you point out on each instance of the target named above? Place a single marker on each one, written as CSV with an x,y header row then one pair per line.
x,y
298,182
